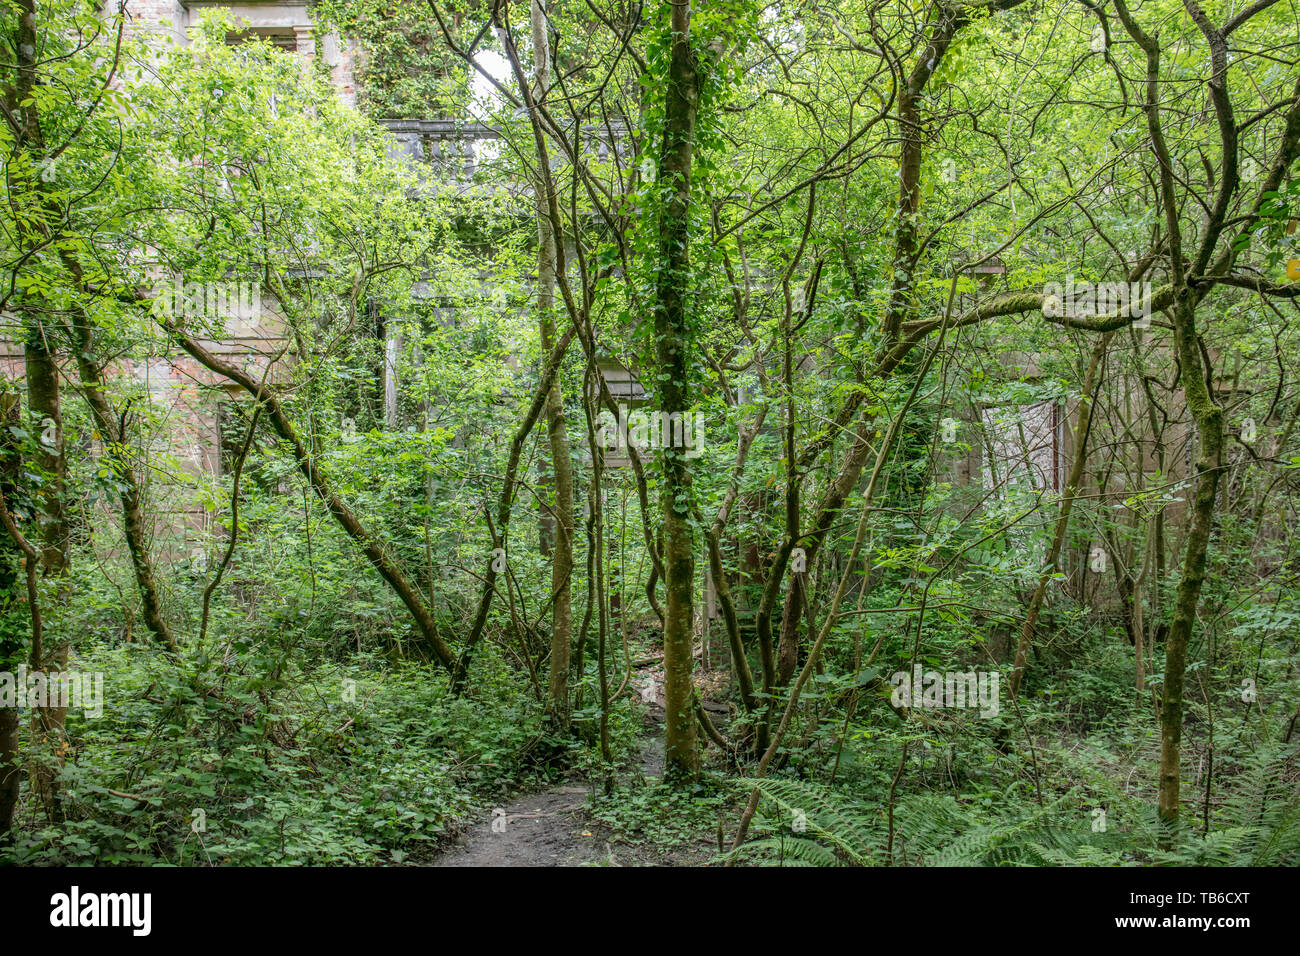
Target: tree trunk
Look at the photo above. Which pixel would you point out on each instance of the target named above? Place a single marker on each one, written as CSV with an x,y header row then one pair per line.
x,y
43,400
13,617
681,106
901,297
372,548
549,372
561,515
113,434
1081,430
1208,418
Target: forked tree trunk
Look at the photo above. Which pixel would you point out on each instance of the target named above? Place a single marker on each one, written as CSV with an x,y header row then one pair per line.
x,y
499,531
902,293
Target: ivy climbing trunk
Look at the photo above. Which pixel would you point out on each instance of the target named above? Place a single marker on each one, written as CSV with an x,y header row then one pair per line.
x,y
42,375
681,107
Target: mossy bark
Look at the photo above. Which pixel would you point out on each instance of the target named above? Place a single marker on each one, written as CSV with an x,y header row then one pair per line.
x,y
561,510
672,341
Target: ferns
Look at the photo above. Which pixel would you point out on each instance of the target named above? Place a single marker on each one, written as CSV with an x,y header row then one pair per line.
x,y
819,828
807,824
1260,819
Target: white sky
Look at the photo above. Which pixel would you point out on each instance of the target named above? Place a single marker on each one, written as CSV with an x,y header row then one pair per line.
x,y
486,99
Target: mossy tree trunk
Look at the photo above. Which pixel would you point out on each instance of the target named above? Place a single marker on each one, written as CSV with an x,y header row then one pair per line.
x,y
561,508
672,341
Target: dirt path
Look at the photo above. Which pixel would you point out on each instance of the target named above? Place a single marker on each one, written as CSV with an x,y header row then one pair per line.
x,y
541,829
552,827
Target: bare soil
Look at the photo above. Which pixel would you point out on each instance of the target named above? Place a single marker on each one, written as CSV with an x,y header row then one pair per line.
x,y
554,828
